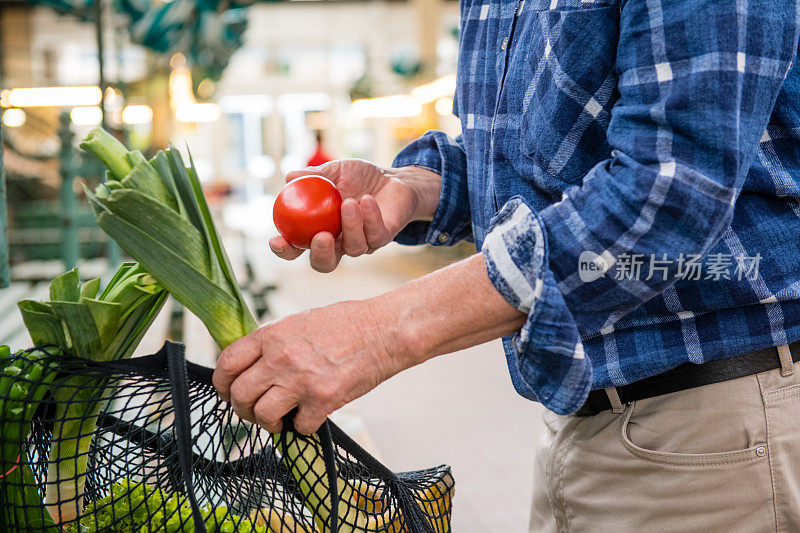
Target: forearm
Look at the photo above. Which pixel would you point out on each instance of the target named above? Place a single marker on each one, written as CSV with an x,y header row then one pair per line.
x,y
448,310
321,359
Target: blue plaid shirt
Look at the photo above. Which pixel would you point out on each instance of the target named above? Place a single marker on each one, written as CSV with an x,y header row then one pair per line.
x,y
631,171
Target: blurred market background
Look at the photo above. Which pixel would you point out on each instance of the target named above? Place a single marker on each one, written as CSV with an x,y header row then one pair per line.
x,y
257,89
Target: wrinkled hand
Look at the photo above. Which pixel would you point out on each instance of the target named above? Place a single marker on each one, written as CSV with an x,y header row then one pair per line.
x,y
378,203
317,360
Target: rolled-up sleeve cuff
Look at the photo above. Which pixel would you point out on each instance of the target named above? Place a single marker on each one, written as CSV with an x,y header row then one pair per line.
x,y
437,152
546,358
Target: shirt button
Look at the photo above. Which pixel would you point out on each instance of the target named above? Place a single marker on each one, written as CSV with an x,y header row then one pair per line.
x,y
504,44
443,237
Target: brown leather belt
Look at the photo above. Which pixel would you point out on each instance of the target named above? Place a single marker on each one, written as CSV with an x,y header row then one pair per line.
x,y
688,376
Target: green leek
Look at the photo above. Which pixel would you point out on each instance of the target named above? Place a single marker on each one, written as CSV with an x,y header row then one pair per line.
x,y
101,327
156,212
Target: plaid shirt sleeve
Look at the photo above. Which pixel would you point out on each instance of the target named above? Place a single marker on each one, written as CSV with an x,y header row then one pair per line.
x,y
697,82
439,153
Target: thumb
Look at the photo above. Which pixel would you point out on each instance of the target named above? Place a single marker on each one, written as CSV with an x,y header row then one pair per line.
x,y
283,249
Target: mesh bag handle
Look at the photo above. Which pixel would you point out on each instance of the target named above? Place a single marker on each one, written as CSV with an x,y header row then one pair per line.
x,y
416,521
176,365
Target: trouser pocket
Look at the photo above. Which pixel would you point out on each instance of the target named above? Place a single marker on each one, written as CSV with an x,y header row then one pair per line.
x,y
754,453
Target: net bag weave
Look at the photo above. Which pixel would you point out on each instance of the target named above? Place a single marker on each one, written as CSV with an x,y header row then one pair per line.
x,y
157,450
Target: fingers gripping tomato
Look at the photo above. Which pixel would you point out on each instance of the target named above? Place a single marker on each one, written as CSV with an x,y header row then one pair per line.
x,y
307,206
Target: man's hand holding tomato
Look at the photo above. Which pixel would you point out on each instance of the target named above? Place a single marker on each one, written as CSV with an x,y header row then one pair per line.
x,y
378,203
323,358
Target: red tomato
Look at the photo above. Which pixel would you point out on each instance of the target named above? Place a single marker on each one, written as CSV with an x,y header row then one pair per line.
x,y
307,206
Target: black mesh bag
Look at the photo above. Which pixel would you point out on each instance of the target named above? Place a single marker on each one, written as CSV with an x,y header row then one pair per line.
x,y
145,445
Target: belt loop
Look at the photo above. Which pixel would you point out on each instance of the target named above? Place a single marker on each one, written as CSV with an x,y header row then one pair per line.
x,y
787,365
613,397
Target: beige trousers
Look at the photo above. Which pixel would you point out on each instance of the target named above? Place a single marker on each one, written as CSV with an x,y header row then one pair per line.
x,y
719,458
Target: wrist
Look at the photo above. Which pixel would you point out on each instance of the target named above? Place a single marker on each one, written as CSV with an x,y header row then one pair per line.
x,y
392,337
425,185
405,333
